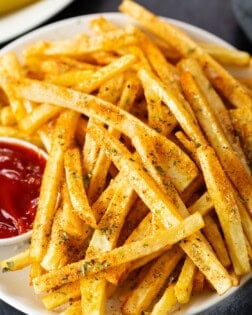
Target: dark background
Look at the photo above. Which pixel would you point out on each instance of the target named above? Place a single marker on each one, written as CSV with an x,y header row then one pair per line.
x,y
215,16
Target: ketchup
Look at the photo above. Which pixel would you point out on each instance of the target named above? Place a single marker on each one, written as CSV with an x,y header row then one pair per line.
x,y
21,170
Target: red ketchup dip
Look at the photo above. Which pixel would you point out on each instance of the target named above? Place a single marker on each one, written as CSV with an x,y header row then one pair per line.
x,y
21,170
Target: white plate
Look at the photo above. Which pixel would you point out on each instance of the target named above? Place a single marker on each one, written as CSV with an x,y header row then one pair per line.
x,y
22,20
14,287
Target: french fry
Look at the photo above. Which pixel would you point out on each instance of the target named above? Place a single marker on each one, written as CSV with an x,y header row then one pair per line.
x,y
62,295
215,238
50,184
83,44
17,262
73,309
71,223
223,197
226,56
166,303
109,91
76,189
203,205
184,284
39,116
141,297
105,239
56,255
7,117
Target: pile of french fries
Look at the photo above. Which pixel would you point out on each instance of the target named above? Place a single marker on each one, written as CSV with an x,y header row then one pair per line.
x,y
146,198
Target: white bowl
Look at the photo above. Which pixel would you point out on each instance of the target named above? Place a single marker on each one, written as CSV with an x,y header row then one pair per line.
x,y
15,240
14,287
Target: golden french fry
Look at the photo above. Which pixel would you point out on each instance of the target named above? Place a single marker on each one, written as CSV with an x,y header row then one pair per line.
x,y
50,184
142,296
226,56
215,238
62,295
39,116
223,197
166,303
76,189
16,262
184,284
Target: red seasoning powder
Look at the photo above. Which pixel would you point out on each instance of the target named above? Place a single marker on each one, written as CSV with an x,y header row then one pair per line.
x,y
21,171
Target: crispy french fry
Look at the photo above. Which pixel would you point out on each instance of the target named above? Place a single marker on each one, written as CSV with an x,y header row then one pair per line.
x,y
39,116
184,284
7,117
62,295
50,184
17,262
76,189
73,309
215,238
166,303
223,197
84,44
226,56
141,297
71,223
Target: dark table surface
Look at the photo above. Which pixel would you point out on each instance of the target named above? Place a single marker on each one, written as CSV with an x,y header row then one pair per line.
x,y
215,16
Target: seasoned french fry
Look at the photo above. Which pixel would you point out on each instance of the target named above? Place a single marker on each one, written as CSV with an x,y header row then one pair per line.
x,y
50,184
184,284
109,91
226,56
74,181
7,117
17,262
71,223
62,295
73,309
166,303
84,44
214,237
39,116
223,197
141,297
